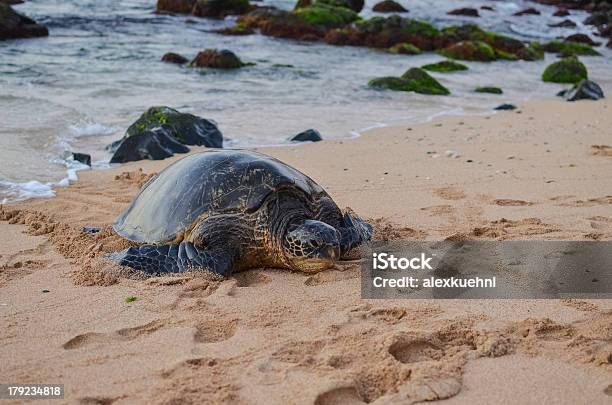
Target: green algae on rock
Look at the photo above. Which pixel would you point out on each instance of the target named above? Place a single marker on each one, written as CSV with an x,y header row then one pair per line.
x,y
445,66
567,48
489,89
326,16
414,79
470,50
566,70
404,49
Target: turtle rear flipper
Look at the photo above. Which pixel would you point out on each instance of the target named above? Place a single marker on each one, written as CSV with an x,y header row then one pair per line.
x,y
354,232
179,258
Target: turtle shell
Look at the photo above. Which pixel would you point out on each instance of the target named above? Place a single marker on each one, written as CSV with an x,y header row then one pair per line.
x,y
213,182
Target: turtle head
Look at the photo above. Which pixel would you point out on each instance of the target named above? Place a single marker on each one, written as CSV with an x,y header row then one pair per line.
x,y
312,246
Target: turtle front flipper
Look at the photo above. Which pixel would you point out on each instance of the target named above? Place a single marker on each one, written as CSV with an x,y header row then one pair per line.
x,y
179,258
354,232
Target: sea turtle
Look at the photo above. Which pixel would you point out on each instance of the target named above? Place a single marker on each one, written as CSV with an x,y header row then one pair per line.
x,y
230,210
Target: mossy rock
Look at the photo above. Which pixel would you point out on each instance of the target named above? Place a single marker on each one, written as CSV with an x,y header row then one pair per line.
x,y
187,128
470,50
421,82
405,49
354,5
397,25
220,8
445,66
326,16
566,48
390,83
566,70
238,29
489,89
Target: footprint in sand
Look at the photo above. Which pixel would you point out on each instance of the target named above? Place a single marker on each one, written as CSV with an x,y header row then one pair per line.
x,y
608,390
449,193
213,330
504,202
415,350
340,396
251,279
125,334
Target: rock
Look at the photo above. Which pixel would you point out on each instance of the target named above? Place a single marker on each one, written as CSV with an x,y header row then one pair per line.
x,y
154,144
390,83
528,11
445,66
505,107
355,5
281,24
175,6
415,79
599,18
566,70
238,29
215,59
326,16
488,8
388,6
385,32
489,89
470,12
91,229
172,57
421,82
562,12
563,24
581,39
310,135
220,8
14,25
567,48
162,131
405,49
470,50
82,158
11,2
584,90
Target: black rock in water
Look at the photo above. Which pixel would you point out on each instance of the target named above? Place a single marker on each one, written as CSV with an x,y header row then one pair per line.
x,y
154,144
584,90
563,24
82,157
14,25
162,131
505,107
311,135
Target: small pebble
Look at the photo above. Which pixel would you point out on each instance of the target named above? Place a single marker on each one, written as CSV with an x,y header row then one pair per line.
x,y
46,291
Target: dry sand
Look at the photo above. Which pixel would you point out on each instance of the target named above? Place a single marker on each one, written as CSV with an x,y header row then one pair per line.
x,y
275,337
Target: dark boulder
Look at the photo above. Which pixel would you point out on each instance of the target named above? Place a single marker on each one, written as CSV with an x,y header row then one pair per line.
x,y
154,144
414,79
355,5
505,107
584,90
489,90
470,50
220,8
599,18
310,135
175,6
388,6
466,11
161,131
172,57
562,12
528,11
82,158
581,39
563,24
215,59
14,25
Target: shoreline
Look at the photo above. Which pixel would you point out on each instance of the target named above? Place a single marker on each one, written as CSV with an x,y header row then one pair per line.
x,y
275,336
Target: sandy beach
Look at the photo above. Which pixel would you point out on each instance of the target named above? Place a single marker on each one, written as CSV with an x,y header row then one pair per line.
x,y
270,336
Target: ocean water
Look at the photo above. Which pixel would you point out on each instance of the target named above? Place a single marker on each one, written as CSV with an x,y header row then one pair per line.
x,y
79,88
